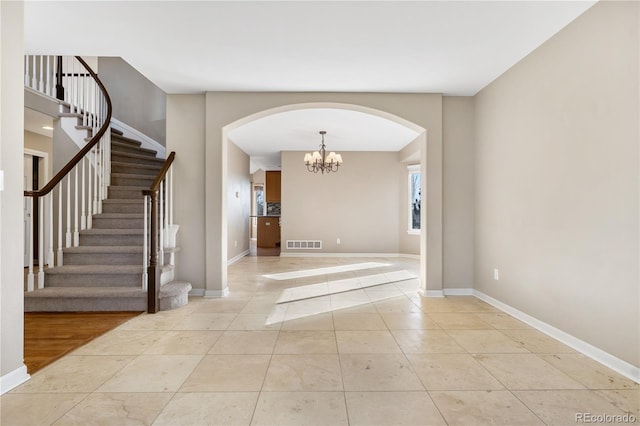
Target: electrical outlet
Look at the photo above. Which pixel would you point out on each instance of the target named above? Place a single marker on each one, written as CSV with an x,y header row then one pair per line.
x,y
236,243
496,274
338,241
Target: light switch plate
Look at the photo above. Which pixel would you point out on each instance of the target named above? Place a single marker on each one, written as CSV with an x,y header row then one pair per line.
x,y
1,180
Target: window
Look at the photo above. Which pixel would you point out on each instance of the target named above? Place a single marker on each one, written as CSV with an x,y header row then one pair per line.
x,y
415,199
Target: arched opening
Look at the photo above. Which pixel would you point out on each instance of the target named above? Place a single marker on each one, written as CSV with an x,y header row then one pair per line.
x,y
413,152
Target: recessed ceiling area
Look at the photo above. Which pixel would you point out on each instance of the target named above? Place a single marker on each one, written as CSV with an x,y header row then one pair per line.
x,y
298,130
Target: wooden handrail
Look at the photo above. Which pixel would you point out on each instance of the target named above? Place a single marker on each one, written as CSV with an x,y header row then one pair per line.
x,y
155,186
80,155
153,269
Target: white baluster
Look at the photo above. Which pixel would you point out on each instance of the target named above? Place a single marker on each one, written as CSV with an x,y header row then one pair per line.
x,y
83,217
95,180
48,83
41,81
76,212
145,254
49,198
41,243
171,195
60,225
107,162
34,78
65,79
68,235
26,70
29,242
89,195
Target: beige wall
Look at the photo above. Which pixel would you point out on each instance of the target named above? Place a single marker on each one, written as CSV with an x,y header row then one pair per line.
x,y
359,204
185,136
458,131
557,182
239,201
136,100
11,217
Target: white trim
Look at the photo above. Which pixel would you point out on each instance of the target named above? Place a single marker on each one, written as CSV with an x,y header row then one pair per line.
x,y
238,257
217,293
413,232
431,293
147,142
616,364
458,291
13,379
196,292
307,254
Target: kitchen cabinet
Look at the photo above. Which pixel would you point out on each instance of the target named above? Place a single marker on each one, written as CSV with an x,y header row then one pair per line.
x,y
272,183
268,231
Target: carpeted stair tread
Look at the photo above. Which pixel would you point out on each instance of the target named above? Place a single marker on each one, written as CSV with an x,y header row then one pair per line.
x,y
130,148
138,157
116,132
132,175
95,269
125,139
97,231
87,292
120,201
119,215
104,249
133,166
128,187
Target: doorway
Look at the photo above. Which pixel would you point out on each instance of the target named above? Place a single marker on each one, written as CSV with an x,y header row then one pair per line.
x,y
35,176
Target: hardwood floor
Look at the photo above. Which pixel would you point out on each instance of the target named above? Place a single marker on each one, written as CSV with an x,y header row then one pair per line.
x,y
50,335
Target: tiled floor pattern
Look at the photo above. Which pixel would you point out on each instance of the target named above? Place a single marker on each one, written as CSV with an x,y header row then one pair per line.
x,y
378,356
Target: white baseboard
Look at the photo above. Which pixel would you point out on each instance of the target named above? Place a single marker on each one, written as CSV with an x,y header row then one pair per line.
x,y
13,379
616,364
197,292
238,257
147,142
217,293
431,293
306,254
458,291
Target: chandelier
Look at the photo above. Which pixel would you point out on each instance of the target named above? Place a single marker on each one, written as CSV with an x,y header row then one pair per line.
x,y
322,162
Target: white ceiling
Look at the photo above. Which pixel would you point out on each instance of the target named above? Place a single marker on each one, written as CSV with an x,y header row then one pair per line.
x,y
298,130
34,121
449,47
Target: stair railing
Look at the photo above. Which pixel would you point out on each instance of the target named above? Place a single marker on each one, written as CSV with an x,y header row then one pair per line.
x,y
80,186
158,224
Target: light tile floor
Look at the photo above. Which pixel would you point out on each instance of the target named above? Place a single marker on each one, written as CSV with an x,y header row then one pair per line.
x,y
377,355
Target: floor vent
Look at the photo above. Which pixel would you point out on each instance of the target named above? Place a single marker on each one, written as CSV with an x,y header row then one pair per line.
x,y
304,244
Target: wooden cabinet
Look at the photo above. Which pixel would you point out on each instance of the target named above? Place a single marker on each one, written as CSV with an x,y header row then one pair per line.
x,y
272,183
268,231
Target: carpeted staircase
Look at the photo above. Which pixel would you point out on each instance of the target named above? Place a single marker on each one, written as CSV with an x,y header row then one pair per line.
x,y
104,272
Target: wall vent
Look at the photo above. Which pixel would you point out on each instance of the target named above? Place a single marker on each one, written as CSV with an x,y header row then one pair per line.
x,y
304,244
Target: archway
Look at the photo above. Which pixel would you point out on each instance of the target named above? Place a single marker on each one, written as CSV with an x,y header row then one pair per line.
x,y
217,147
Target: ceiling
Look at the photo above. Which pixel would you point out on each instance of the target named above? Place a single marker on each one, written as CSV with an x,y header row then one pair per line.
x,y
449,47
298,130
35,122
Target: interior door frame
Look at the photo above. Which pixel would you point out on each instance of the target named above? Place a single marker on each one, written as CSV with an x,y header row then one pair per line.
x,y
43,178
